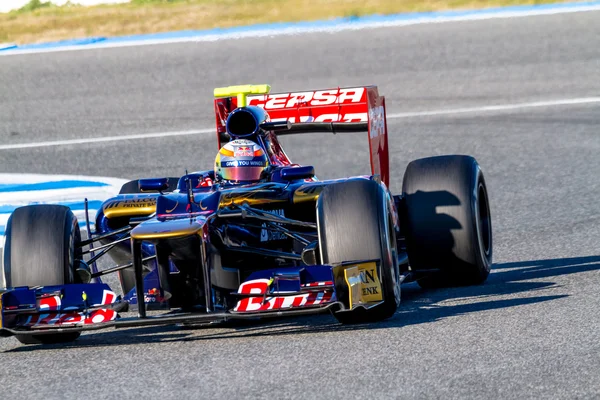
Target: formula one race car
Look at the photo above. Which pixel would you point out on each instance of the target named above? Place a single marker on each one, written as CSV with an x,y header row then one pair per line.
x,y
257,236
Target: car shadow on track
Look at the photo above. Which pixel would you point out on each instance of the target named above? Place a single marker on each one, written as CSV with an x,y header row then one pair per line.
x,y
515,283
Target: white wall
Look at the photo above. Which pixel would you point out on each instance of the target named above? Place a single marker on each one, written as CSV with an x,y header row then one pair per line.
x,y
8,5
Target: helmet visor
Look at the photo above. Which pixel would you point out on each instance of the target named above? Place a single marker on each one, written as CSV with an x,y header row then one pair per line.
x,y
242,173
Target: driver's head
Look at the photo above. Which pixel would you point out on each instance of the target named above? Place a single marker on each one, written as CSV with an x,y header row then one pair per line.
x,y
240,161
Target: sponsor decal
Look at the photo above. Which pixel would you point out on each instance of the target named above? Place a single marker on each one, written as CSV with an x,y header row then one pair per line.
x,y
131,203
351,117
49,303
108,297
376,122
317,98
72,318
264,303
243,151
243,163
370,285
119,207
363,282
53,303
154,296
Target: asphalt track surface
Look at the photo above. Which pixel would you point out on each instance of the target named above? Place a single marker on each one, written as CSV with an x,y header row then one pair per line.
x,y
531,331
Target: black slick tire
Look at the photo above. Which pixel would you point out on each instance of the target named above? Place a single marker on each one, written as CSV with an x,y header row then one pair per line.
x,y
40,250
446,220
354,223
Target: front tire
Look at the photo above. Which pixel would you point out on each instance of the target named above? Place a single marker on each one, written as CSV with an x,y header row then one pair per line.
x,y
40,250
447,221
354,222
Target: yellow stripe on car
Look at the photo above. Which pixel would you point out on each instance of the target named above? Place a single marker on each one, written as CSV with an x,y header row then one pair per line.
x,y
241,92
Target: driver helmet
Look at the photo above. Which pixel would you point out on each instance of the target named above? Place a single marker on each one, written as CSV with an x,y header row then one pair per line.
x,y
240,160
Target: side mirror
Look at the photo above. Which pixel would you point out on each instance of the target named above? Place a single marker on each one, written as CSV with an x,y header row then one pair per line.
x,y
153,184
294,173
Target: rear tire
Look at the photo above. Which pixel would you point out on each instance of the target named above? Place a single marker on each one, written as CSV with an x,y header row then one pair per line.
x,y
40,250
354,222
447,220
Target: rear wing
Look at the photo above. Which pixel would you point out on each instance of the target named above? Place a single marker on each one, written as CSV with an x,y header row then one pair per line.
x,y
332,110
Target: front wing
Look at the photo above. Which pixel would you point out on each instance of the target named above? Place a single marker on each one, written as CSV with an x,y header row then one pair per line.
x,y
265,294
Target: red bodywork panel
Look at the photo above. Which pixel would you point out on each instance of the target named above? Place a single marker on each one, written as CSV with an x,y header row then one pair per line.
x,y
358,104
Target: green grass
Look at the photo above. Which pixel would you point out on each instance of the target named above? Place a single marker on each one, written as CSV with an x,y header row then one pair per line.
x,y
34,5
40,21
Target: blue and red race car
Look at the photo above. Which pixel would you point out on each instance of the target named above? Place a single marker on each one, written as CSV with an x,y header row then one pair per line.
x,y
257,236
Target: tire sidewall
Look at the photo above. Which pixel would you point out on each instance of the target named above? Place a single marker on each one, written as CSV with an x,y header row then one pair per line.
x,y
72,252
389,270
67,251
484,261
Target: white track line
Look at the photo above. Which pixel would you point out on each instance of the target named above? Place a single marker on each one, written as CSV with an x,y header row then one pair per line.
x,y
102,139
416,114
502,107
